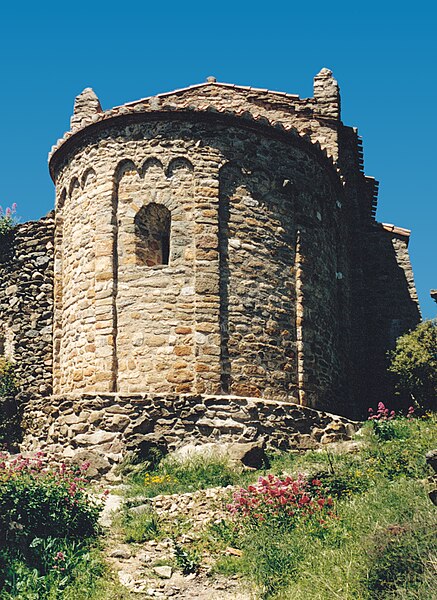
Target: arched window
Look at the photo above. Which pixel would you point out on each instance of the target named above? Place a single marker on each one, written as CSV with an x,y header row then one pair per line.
x,y
152,235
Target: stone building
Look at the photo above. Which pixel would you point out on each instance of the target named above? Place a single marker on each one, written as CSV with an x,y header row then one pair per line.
x,y
217,240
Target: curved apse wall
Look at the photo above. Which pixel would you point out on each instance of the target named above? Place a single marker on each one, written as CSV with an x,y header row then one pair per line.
x,y
155,302
247,302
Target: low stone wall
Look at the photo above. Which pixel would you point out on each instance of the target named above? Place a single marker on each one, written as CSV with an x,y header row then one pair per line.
x,y
109,424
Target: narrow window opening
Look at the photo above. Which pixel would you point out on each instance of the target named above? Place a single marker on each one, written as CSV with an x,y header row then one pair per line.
x,y
2,345
165,245
152,235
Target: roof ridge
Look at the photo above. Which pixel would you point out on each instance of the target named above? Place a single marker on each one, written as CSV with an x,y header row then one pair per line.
x,y
211,83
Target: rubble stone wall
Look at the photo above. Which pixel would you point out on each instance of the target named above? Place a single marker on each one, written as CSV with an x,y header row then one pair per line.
x,y
78,291
218,239
110,424
391,306
26,303
221,315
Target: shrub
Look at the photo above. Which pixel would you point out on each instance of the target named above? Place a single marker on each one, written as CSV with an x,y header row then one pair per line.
x,y
37,501
364,554
8,381
404,454
7,219
414,364
187,560
54,568
343,484
349,555
10,423
10,413
400,556
281,502
387,425
47,522
274,519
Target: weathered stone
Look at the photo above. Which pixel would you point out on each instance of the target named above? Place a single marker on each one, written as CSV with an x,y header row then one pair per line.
x,y
95,438
118,423
329,438
207,252
98,463
123,553
79,428
250,455
140,509
164,572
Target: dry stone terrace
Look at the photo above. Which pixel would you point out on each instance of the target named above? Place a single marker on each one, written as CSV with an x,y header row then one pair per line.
x,y
108,424
216,244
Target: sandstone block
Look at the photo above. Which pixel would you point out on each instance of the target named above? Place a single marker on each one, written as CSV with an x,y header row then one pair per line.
x,y
95,438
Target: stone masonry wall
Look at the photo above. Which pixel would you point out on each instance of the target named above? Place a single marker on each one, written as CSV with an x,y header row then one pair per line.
x,y
221,239
391,306
77,293
155,303
317,117
26,303
221,315
109,424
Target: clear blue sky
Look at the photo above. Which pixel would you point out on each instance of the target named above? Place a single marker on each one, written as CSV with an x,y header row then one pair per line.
x,y
383,55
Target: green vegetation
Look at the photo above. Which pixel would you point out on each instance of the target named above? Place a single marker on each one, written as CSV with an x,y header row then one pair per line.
x,y
378,542
48,527
358,525
174,476
138,527
322,524
414,364
7,219
187,560
8,381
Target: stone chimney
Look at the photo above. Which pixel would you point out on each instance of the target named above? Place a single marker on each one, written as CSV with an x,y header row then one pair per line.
x,y
86,106
327,94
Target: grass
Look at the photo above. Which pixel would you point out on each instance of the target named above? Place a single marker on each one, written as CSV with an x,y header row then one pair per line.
x,y
76,577
138,528
173,476
382,542
359,559
379,544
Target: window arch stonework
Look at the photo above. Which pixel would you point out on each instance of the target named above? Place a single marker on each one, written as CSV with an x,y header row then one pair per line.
x,y
152,235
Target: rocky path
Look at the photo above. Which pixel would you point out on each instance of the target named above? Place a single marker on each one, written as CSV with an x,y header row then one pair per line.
x,y
147,570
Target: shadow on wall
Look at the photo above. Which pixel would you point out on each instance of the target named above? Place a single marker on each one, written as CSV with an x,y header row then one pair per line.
x,y
390,309
257,320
